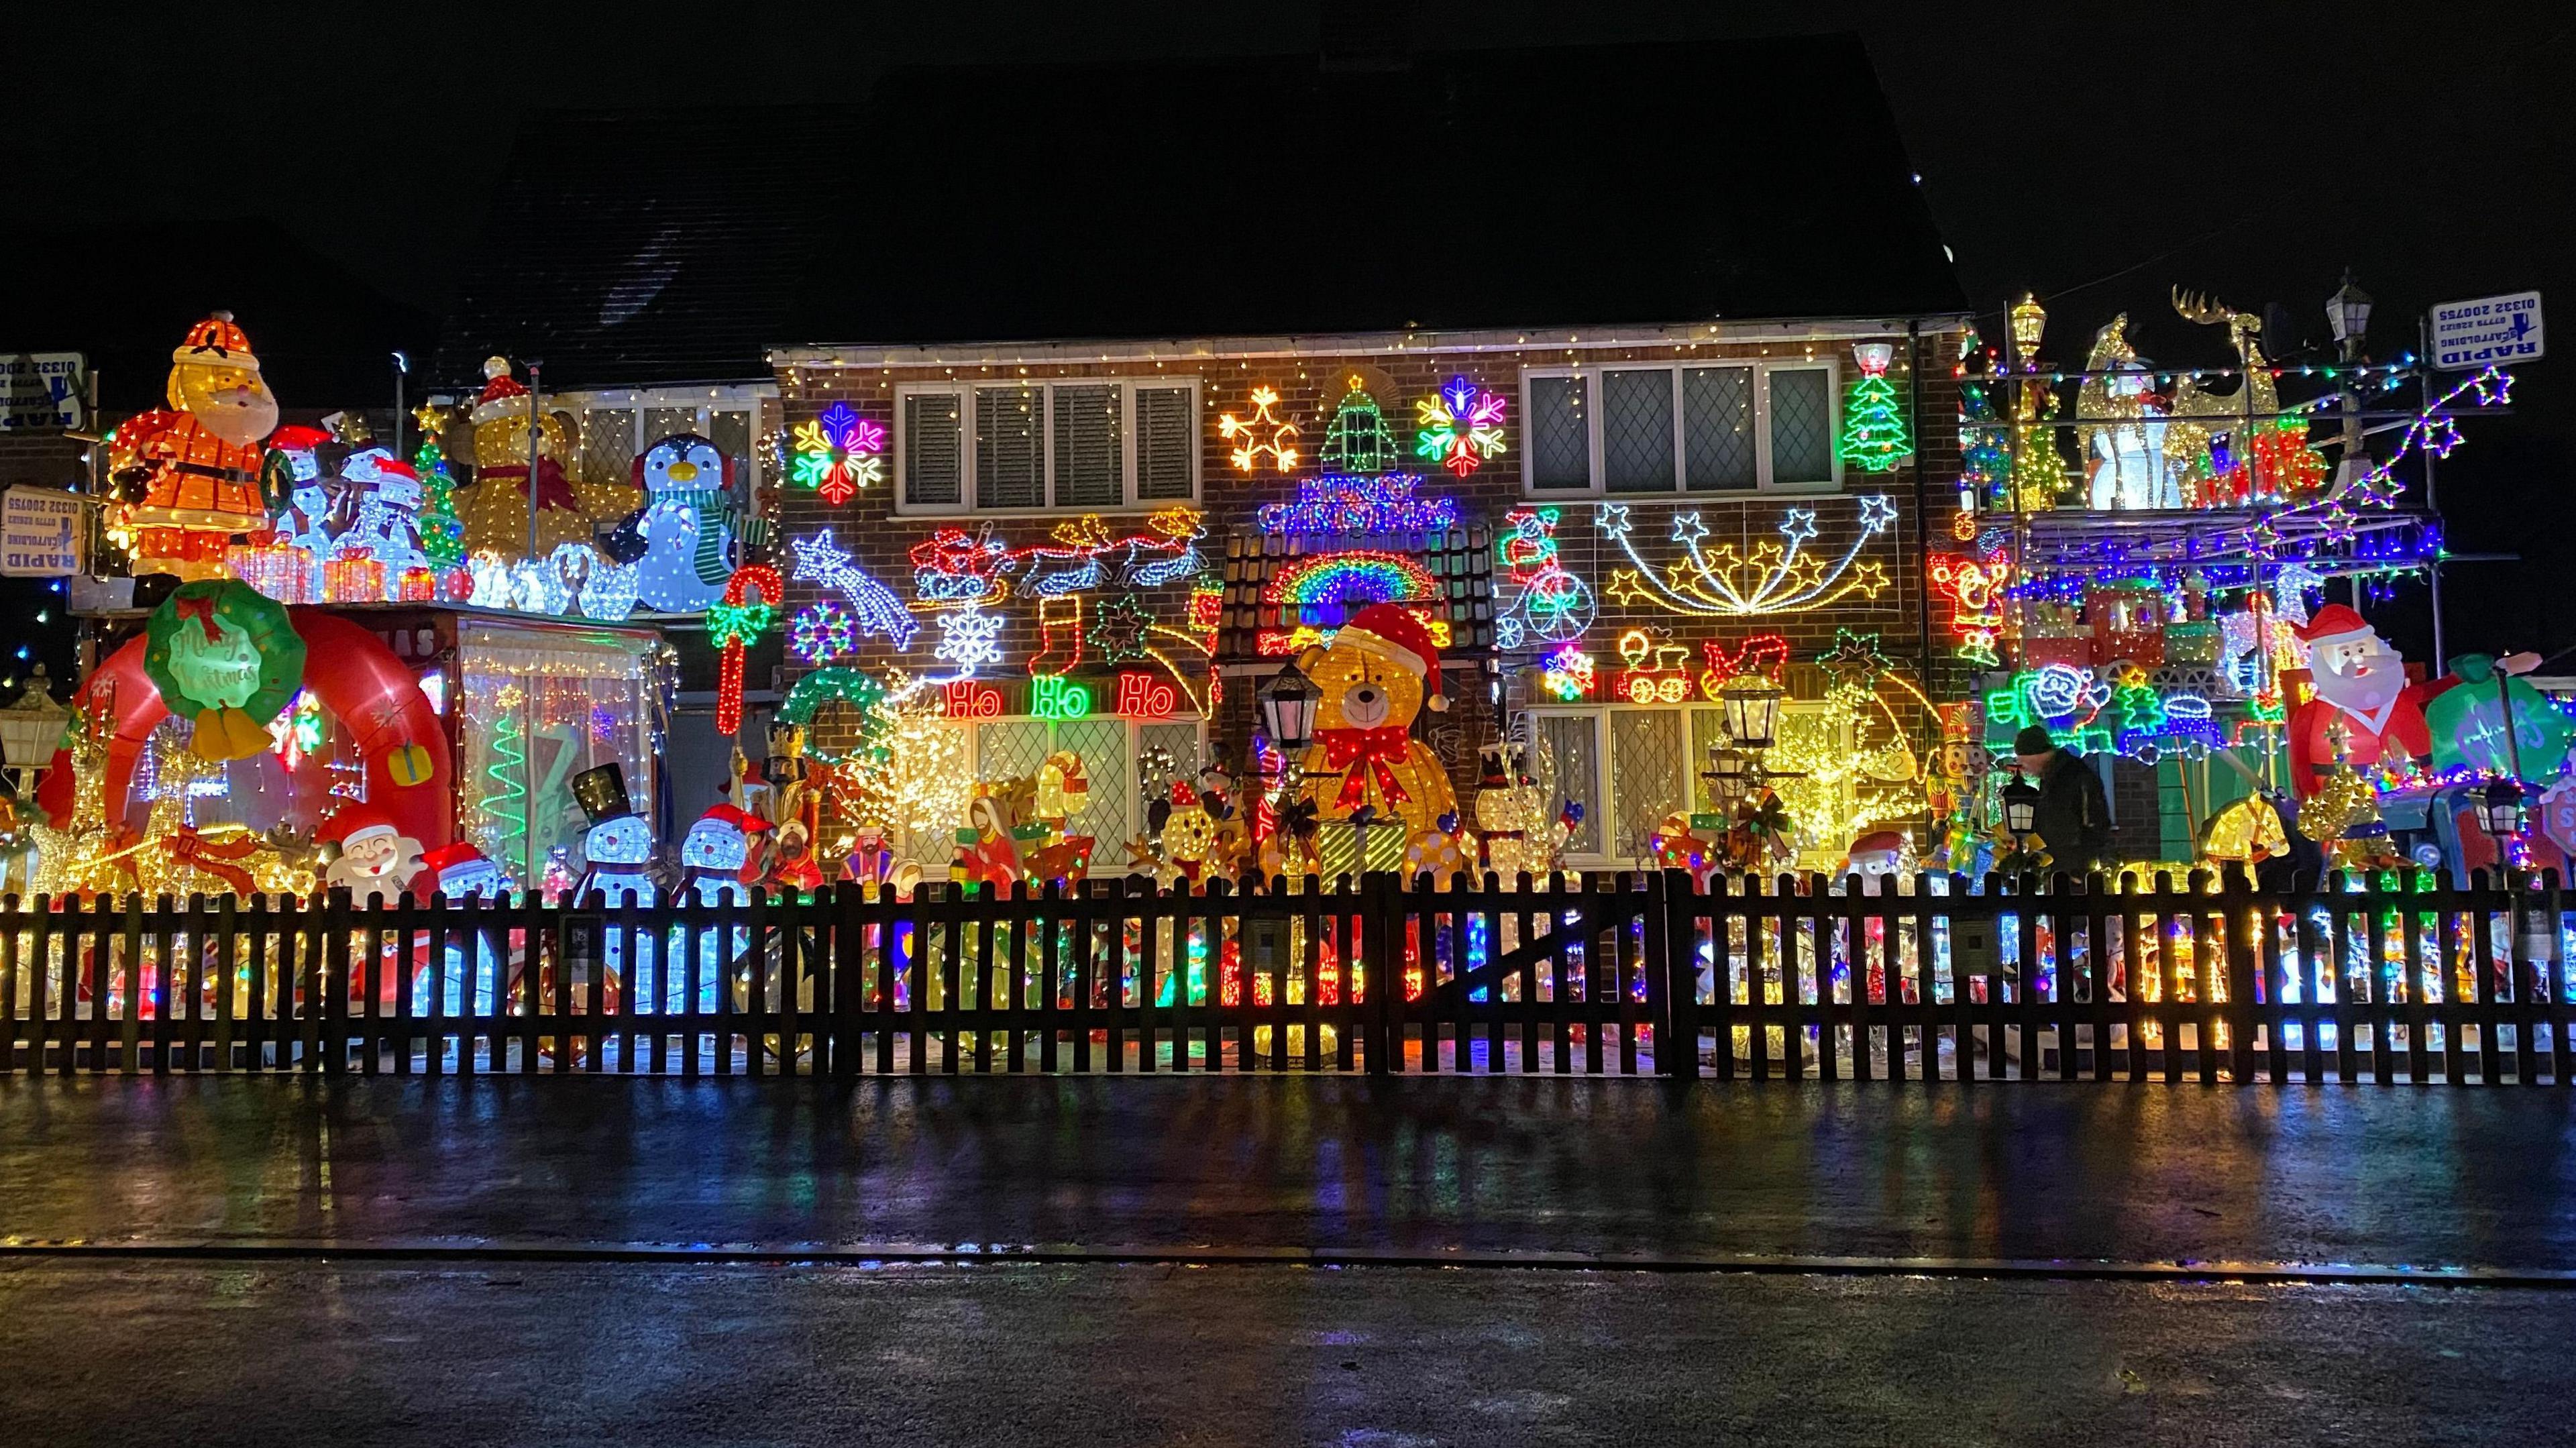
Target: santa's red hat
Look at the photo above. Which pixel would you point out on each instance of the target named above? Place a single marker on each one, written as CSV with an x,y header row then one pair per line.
x,y
1393,633
451,856
2332,622
355,823
296,437
503,396
1878,842
724,812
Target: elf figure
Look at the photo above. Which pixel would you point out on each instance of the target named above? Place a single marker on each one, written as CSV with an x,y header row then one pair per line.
x,y
462,873
687,524
188,476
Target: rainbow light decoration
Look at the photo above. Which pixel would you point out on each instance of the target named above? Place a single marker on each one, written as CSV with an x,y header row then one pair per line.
x,y
1567,672
838,453
1361,575
1348,503
1461,427
822,631
1723,582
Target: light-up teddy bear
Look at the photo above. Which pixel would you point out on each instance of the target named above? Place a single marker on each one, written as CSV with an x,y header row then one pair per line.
x,y
1374,678
496,516
188,476
687,524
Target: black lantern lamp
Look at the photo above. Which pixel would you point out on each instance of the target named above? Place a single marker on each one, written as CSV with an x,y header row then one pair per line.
x,y
1288,709
2348,313
2021,805
1730,775
2500,809
1752,704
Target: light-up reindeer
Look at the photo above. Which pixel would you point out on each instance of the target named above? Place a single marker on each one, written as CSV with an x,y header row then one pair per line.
x,y
2217,475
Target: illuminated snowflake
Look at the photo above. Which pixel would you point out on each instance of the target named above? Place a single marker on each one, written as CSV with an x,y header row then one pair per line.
x,y
839,453
969,638
1461,427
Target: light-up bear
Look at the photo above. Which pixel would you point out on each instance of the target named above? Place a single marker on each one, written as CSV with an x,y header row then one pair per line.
x,y
1378,673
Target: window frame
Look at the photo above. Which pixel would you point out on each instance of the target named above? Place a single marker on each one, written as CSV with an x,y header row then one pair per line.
x,y
758,405
1130,459
1596,404
1134,823
1599,711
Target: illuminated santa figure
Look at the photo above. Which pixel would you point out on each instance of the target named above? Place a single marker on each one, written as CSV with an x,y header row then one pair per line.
x,y
377,861
2361,687
188,476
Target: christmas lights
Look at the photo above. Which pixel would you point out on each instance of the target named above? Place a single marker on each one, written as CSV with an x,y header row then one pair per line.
x,y
1461,427
1874,434
1567,672
750,606
838,453
1260,435
969,639
878,611
1344,503
821,632
1358,440
1552,605
1722,582
1324,585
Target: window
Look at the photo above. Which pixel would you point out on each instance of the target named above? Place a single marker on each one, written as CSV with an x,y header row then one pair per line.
x,y
1631,766
618,426
1686,427
1110,747
1096,444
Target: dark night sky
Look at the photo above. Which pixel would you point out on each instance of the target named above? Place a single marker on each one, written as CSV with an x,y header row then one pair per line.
x,y
2096,155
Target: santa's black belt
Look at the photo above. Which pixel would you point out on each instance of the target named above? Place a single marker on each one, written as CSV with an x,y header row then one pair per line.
x,y
227,475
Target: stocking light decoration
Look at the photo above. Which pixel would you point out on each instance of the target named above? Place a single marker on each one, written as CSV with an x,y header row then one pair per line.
x,y
734,625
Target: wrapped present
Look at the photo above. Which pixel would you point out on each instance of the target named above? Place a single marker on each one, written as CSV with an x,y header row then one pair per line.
x,y
1354,847
353,580
418,585
283,571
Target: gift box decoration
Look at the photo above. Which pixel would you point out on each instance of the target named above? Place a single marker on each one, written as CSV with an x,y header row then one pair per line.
x,y
1351,847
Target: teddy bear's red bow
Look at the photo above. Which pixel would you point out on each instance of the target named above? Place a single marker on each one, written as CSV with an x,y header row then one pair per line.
x,y
1362,753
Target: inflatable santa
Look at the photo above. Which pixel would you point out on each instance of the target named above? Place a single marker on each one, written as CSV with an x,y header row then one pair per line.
x,y
2361,686
377,860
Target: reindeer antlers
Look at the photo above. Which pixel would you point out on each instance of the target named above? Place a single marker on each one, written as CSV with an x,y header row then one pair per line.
x,y
2197,307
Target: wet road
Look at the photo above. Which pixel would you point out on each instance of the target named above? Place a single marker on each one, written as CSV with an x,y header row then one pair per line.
x,y
432,1262
2401,1177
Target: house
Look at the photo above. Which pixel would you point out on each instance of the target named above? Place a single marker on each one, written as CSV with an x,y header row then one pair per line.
x,y
1105,381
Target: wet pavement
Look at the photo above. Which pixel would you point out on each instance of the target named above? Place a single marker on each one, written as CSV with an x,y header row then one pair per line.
x,y
1371,1357
1409,1170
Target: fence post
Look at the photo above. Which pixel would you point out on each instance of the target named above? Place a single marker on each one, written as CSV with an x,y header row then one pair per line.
x,y
334,1005
2244,943
1672,941
1385,969
847,978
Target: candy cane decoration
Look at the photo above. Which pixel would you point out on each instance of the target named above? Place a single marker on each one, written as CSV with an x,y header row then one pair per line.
x,y
735,624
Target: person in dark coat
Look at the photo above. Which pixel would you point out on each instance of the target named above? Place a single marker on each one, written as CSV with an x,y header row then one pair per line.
x,y
2074,820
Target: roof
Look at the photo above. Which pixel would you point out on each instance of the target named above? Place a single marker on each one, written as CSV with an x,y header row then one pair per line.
x,y
1269,196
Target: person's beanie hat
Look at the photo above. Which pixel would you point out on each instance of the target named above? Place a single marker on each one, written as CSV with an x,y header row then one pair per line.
x,y
2033,740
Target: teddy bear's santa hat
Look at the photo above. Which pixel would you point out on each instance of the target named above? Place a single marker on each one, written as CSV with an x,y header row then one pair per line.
x,y
503,395
1393,633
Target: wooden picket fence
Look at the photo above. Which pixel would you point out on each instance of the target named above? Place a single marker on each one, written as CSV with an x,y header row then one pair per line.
x,y
1934,979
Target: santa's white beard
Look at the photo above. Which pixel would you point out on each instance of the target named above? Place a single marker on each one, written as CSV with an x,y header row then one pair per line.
x,y
2365,695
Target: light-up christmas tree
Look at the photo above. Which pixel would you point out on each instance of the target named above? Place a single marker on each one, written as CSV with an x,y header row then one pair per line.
x,y
1358,440
442,532
1874,437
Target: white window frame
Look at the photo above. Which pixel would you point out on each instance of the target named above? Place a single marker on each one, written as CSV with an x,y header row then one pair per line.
x,y
1087,823
758,403
1595,409
1608,785
1129,454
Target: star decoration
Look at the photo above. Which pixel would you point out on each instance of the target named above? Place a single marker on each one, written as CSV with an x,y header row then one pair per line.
x,y
819,557
1688,529
1117,631
1799,525
2336,522
1854,658
1612,518
1876,513
2262,540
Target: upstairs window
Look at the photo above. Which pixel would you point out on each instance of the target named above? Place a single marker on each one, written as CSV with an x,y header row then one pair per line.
x,y
1675,428
1088,444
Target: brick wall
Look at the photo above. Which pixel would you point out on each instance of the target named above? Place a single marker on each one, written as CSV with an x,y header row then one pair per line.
x,y
879,538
